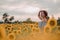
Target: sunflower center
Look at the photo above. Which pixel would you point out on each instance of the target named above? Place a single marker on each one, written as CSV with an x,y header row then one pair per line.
x,y
11,37
52,23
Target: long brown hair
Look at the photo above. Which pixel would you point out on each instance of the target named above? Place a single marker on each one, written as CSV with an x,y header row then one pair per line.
x,y
45,12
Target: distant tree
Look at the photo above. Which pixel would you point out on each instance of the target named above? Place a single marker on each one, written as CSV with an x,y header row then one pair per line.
x,y
58,21
6,19
16,21
29,20
11,18
5,15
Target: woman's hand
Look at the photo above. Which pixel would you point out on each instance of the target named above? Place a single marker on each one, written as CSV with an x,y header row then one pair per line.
x,y
44,19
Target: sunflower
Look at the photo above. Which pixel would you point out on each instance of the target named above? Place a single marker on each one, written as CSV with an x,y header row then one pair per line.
x,y
24,23
47,29
31,26
58,29
11,36
2,33
9,28
52,23
26,30
15,32
18,32
35,25
35,29
19,28
3,25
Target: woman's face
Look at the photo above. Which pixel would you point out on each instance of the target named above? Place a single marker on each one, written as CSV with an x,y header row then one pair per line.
x,y
42,14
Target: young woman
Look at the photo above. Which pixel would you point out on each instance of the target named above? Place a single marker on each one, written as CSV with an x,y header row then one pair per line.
x,y
43,16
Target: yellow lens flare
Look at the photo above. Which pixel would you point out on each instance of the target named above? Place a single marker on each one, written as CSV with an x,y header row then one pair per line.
x,y
11,36
2,33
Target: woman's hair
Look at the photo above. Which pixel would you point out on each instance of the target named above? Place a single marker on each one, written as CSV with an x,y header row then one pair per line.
x,y
45,12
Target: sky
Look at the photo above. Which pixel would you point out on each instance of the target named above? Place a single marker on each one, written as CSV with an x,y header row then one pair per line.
x,y
23,9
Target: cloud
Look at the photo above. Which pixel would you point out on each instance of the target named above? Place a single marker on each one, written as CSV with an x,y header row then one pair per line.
x,y
29,7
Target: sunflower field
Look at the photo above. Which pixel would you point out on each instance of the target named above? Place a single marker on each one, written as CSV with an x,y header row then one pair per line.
x,y
30,31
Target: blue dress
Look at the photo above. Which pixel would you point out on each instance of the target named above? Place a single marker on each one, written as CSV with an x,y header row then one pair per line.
x,y
41,25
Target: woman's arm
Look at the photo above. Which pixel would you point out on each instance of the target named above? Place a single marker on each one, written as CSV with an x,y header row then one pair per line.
x,y
40,17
